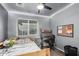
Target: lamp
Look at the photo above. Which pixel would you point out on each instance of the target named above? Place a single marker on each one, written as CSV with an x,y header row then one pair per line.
x,y
40,6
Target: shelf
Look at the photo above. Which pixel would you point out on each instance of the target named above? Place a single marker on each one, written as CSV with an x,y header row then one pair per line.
x,y
45,47
45,38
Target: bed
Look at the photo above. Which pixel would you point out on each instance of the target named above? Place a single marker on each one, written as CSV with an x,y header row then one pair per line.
x,y
42,52
22,46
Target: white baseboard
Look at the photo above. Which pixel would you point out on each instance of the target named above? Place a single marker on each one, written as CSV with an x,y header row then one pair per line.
x,y
59,49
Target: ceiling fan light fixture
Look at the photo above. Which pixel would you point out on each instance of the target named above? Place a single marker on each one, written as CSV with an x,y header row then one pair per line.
x,y
40,6
20,4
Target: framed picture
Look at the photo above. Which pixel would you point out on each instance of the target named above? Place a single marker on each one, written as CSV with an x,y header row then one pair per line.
x,y
65,30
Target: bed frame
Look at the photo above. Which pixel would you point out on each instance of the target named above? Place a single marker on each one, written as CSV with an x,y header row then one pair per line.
x,y
43,52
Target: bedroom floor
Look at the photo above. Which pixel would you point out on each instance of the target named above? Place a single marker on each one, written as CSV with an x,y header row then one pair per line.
x,y
56,53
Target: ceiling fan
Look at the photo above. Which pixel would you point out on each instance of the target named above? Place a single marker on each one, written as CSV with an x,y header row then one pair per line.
x,y
43,6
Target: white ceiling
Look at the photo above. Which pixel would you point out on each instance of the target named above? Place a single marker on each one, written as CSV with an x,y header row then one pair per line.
x,y
32,8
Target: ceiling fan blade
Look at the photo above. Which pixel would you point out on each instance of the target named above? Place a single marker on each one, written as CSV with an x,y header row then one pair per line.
x,y
38,11
47,7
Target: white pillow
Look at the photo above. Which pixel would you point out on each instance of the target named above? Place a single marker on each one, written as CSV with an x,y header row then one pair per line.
x,y
23,41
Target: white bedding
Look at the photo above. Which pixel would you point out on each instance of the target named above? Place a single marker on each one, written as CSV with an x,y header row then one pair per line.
x,y
22,48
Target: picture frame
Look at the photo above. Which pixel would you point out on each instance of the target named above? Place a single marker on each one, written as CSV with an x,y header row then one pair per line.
x,y
65,30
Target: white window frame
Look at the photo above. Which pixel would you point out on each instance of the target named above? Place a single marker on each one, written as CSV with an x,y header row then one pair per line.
x,y
28,33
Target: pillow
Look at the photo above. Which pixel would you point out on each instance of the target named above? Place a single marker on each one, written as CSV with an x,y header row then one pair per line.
x,y
23,41
19,41
27,40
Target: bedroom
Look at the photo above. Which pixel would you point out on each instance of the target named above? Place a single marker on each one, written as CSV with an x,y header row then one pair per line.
x,y
25,21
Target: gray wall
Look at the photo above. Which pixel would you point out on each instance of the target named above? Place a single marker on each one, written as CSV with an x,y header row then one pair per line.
x,y
3,23
13,17
12,20
68,16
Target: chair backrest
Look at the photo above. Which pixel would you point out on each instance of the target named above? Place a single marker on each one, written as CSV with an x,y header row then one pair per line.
x,y
43,52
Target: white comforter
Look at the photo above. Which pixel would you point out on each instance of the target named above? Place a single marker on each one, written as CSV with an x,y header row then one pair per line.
x,y
22,48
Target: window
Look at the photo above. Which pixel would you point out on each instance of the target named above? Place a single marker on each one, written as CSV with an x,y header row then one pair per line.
x,y
32,27
27,27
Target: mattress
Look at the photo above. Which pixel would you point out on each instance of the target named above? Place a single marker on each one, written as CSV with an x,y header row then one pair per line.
x,y
22,48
